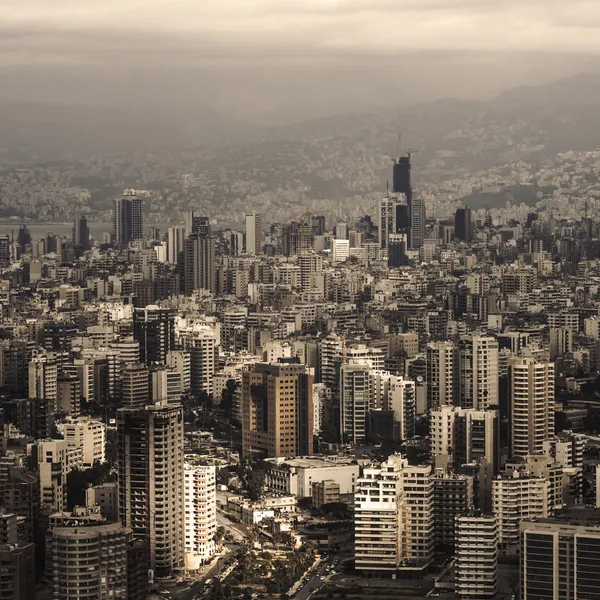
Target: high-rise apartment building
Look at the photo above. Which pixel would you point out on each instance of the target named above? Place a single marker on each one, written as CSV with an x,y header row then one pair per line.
x,y
17,572
43,377
478,372
477,437
89,562
128,218
203,363
355,399
464,436
531,405
151,481
402,399
476,565
253,234
53,467
378,519
559,559
278,412
68,394
397,246
516,497
180,360
154,329
175,243
88,435
310,264
200,514
387,220
452,497
135,385
340,250
418,517
199,267
442,374
462,225
393,518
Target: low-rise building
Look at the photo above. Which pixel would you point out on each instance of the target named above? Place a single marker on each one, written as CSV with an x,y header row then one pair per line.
x,y
296,475
325,492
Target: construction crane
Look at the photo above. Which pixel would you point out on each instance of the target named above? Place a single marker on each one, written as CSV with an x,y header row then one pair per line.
x,y
394,158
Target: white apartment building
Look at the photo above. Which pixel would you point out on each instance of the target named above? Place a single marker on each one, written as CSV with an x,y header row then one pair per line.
x,y
442,367
378,519
515,498
43,376
295,476
441,430
203,362
418,536
340,250
476,564
394,518
180,361
402,400
88,435
200,503
53,465
531,388
478,372
461,436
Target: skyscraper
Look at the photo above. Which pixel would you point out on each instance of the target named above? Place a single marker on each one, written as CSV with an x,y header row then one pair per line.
x,y
418,217
531,405
401,176
128,213
196,224
277,411
253,234
199,268
318,224
154,329
151,481
81,233
462,224
387,220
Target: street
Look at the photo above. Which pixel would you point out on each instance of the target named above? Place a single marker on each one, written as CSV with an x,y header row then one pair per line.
x,y
316,581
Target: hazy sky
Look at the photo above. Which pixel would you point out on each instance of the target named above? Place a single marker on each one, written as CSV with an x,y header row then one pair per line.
x,y
261,57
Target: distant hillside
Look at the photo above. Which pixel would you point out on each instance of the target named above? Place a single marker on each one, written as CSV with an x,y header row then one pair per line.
x,y
32,132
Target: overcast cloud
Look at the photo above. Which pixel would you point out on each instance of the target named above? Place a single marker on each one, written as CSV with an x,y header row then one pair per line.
x,y
274,53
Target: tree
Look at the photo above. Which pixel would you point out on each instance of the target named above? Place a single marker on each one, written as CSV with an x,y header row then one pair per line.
x,y
78,482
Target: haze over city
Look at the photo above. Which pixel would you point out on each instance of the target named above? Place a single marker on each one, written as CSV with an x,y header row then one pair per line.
x,y
273,61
